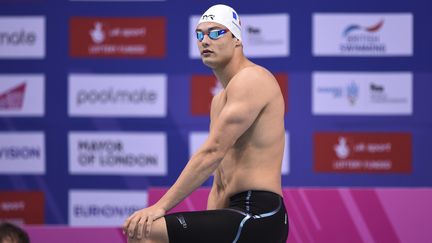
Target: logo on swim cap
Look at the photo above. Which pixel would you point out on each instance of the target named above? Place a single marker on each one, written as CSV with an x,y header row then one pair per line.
x,y
206,17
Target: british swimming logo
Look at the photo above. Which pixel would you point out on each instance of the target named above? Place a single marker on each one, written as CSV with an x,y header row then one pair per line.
x,y
371,29
359,38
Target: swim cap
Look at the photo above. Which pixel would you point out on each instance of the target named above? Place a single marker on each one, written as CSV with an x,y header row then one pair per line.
x,y
224,15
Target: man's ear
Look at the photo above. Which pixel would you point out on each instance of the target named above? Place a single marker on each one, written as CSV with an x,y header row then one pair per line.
x,y
238,42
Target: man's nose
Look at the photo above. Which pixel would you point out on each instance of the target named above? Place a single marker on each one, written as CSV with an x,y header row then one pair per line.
x,y
205,41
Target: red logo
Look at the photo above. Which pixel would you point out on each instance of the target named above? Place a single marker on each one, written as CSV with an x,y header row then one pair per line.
x,y
22,207
204,87
362,152
13,99
117,37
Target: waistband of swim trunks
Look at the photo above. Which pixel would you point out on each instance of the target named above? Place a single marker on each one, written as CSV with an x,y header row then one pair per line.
x,y
253,192
255,201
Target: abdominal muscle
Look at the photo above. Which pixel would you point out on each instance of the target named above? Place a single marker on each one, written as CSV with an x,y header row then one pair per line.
x,y
248,173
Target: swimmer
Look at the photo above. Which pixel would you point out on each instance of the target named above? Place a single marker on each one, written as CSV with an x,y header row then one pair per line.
x,y
244,151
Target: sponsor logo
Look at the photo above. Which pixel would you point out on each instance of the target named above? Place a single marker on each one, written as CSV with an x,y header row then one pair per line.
x,y
264,35
117,37
22,37
21,95
350,92
22,207
370,29
117,153
103,208
182,221
117,95
358,38
111,96
362,152
363,34
204,87
362,93
196,139
13,99
22,153
208,17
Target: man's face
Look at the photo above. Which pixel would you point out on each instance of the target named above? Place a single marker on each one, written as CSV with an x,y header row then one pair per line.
x,y
215,52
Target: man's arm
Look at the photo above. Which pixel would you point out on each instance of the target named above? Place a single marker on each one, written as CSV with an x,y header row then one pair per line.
x,y
211,200
244,103
241,109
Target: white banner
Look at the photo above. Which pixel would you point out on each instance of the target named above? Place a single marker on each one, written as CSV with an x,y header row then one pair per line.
x,y
22,153
263,35
22,95
119,95
367,34
104,207
362,93
196,139
22,37
115,153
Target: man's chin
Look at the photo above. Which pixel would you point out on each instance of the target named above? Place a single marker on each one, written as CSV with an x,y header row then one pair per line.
x,y
209,63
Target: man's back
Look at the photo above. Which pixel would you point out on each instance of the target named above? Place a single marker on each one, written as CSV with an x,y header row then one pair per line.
x,y
254,161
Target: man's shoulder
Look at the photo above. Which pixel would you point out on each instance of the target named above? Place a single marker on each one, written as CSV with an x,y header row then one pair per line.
x,y
252,77
254,72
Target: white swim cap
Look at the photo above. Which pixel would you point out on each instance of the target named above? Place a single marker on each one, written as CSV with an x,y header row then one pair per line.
x,y
224,15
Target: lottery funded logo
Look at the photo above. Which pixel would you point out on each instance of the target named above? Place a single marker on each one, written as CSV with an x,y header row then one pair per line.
x,y
363,152
117,37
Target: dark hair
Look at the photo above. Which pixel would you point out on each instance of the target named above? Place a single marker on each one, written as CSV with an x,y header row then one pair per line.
x,y
13,232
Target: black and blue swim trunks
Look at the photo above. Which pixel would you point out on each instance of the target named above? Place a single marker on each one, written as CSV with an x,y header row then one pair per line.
x,y
252,216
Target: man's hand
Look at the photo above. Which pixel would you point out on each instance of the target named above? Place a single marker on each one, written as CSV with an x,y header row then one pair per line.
x,y
141,221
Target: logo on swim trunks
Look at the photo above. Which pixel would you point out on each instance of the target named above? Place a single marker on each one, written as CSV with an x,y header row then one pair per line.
x,y
182,221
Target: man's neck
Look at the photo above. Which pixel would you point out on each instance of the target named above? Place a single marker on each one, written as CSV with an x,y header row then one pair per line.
x,y
227,72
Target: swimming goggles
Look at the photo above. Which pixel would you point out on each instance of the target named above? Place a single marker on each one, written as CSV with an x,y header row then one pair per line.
x,y
212,34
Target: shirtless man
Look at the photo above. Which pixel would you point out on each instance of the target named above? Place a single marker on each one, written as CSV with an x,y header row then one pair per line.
x,y
244,150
